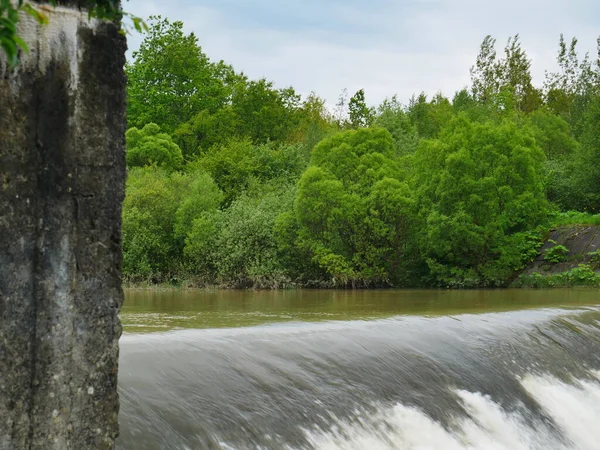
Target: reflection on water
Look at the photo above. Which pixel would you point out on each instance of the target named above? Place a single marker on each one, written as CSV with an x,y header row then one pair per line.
x,y
148,311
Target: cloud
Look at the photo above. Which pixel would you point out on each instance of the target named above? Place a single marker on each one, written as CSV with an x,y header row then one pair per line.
x,y
386,47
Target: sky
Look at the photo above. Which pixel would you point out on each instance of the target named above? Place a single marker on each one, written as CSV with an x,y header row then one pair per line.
x,y
385,47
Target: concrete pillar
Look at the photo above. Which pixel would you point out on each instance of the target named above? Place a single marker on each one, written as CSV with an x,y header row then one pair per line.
x,y
62,172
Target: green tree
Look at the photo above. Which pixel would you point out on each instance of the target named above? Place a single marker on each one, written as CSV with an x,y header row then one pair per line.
x,y
149,146
429,117
515,72
359,113
353,210
150,251
485,76
239,247
235,164
170,79
392,117
264,113
202,196
205,130
480,192
314,122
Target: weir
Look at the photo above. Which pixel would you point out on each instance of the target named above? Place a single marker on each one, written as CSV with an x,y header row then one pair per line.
x,y
62,172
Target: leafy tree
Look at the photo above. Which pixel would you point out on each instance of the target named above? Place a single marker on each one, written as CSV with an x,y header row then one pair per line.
x,y
391,116
202,196
552,134
360,114
264,113
149,146
149,248
480,191
353,211
506,81
314,122
588,161
235,164
569,90
485,77
170,79
515,72
205,130
429,117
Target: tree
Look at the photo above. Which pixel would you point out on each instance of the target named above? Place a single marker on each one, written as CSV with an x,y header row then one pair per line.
x,y
360,114
149,248
514,72
205,130
392,117
170,79
149,146
429,117
485,73
235,164
353,210
314,122
480,191
264,113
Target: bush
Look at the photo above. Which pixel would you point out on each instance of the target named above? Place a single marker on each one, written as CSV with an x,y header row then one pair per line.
x,y
556,254
582,275
239,246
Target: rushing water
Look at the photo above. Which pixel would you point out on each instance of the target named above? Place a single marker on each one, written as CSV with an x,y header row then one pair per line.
x,y
512,369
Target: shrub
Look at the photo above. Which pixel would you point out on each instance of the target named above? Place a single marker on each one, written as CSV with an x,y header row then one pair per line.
x,y
556,254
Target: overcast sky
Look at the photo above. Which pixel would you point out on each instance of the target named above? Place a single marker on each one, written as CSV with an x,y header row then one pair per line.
x,y
386,47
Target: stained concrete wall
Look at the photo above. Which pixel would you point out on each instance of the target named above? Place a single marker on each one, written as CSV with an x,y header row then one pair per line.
x,y
62,171
580,240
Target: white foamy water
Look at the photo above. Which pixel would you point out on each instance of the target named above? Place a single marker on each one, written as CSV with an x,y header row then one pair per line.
x,y
574,408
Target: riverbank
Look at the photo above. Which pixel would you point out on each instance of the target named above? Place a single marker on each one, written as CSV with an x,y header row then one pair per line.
x,y
568,257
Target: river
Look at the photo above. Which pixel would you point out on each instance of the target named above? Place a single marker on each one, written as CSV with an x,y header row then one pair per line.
x,y
373,370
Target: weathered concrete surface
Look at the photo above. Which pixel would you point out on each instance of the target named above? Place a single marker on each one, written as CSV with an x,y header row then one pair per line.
x,y
62,171
580,240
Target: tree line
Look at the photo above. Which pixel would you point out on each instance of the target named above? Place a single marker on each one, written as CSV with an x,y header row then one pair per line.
x,y
234,182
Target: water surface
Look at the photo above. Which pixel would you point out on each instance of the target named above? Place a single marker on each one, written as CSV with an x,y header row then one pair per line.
x,y
148,311
361,370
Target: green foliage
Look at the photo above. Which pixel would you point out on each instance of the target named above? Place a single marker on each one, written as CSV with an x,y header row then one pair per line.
x,y
582,275
239,247
158,212
429,118
573,218
249,185
149,248
202,197
392,117
265,114
504,82
149,146
236,163
171,80
479,188
556,254
360,114
353,210
552,134
594,258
